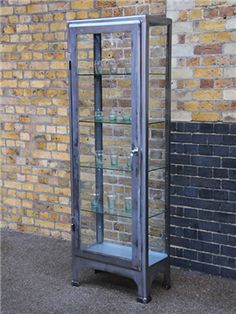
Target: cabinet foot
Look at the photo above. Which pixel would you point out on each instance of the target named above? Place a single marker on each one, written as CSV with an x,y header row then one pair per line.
x,y
97,271
166,286
144,300
75,283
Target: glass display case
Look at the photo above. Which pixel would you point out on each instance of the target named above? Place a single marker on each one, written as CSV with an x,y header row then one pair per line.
x,y
119,74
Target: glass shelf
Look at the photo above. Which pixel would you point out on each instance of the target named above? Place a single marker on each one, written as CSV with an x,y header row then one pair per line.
x,y
92,165
108,121
116,74
120,213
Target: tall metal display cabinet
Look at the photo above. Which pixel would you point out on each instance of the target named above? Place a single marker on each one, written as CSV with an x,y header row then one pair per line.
x,y
120,87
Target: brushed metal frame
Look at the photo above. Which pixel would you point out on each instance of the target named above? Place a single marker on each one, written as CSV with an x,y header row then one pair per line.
x,y
138,267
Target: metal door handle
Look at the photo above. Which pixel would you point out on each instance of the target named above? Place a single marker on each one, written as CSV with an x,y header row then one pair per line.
x,y
134,151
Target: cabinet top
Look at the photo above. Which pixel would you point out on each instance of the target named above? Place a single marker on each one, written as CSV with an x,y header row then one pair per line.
x,y
121,20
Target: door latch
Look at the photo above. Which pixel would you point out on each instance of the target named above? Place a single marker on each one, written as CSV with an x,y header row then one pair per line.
x,y
134,151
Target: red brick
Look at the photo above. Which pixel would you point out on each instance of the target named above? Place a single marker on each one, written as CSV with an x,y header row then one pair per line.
x,y
208,49
206,83
227,11
181,39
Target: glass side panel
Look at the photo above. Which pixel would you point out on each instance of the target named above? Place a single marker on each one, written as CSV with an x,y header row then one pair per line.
x,y
105,144
156,141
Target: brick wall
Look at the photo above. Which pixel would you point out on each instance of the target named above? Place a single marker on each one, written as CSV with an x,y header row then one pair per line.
x,y
203,197
204,58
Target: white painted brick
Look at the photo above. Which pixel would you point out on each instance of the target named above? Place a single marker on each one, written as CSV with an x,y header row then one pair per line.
x,y
173,84
174,15
229,116
173,5
230,72
181,115
174,62
175,39
230,48
182,73
231,23
183,27
229,94
182,50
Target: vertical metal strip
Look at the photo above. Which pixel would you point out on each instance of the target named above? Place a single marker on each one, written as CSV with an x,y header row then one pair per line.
x,y
98,139
167,137
74,138
144,148
135,107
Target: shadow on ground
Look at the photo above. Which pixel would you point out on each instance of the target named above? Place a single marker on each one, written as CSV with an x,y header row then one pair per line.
x,y
36,279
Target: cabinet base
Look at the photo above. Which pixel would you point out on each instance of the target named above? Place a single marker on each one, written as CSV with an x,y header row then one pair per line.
x,y
75,283
144,300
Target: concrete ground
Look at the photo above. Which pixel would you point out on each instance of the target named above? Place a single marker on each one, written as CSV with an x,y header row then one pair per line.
x,y
36,279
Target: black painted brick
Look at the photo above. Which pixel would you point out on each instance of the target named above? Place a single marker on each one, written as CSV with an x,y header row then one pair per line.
x,y
232,173
205,172
224,261
207,183
199,138
205,246
205,236
220,173
190,149
221,128
190,212
205,161
229,185
190,254
232,196
233,128
205,193
206,128
215,139
204,257
220,150
180,159
232,151
229,139
228,250
220,195
229,163
205,150
227,272
204,196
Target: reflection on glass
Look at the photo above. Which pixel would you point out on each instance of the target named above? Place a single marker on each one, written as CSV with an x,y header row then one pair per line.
x,y
112,116
98,67
98,115
114,161
111,199
99,158
128,162
128,204
94,201
126,116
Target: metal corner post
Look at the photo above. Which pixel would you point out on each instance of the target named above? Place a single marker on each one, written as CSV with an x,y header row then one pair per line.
x,y
98,137
144,288
74,151
166,281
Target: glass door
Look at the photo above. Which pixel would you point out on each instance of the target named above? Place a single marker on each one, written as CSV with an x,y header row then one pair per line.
x,y
104,79
158,145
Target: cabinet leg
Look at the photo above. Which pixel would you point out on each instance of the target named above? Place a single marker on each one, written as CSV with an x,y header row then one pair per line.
x,y
144,288
75,272
166,283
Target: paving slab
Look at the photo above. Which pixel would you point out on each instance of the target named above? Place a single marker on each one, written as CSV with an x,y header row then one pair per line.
x,y
35,279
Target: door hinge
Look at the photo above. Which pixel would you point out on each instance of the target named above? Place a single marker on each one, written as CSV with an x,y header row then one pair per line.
x,y
72,224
